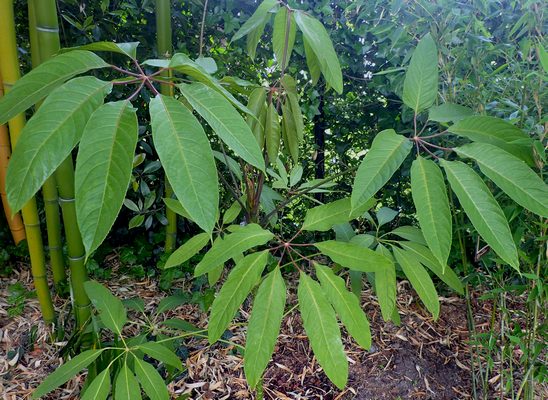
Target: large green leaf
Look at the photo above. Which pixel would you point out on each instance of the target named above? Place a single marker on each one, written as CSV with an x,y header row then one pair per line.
x,y
256,19
420,87
161,353
187,250
387,152
432,205
66,371
482,209
264,326
353,256
272,133
99,389
42,80
320,324
420,280
237,287
346,305
111,309
185,153
386,286
283,28
50,136
510,174
151,381
426,258
320,43
324,217
103,169
127,386
227,123
312,62
449,112
129,49
497,132
231,246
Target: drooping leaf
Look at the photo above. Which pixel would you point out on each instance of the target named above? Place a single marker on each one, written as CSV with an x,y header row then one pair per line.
x,y
283,36
254,37
42,80
227,123
346,305
264,325
353,256
187,250
387,153
432,205
237,287
129,49
449,112
111,309
103,169
161,353
151,381
312,62
184,150
99,389
127,386
510,174
66,371
420,280
324,217
50,135
256,19
320,324
233,245
420,87
289,133
320,43
272,133
482,209
386,286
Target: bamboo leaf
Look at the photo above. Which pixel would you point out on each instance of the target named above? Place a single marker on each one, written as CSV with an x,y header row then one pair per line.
x,y
103,169
482,209
346,305
66,371
264,326
127,386
280,31
237,287
151,381
320,43
184,150
432,205
49,137
353,256
189,249
161,353
324,217
233,245
320,324
387,153
43,79
256,19
99,389
420,87
227,123
420,280
510,174
111,309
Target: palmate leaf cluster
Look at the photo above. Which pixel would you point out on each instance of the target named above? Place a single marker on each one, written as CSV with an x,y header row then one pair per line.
x,y
269,126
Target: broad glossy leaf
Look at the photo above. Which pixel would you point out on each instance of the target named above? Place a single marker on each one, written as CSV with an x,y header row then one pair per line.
x,y
426,258
127,386
43,79
207,63
497,132
99,389
420,87
320,324
241,280
176,206
184,150
49,137
432,205
386,287
256,103
233,245
129,49
363,240
254,37
283,29
312,62
344,232
111,309
187,250
353,256
272,133
449,112
324,217
420,280
482,209
103,169
161,353
264,325
346,305
289,132
387,153
510,174
256,19
66,371
385,215
233,211
151,381
320,43
227,123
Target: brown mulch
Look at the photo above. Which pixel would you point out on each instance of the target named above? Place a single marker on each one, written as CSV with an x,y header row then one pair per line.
x,y
421,359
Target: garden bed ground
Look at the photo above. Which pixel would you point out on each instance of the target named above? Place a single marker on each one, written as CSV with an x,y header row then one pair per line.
x,y
421,359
